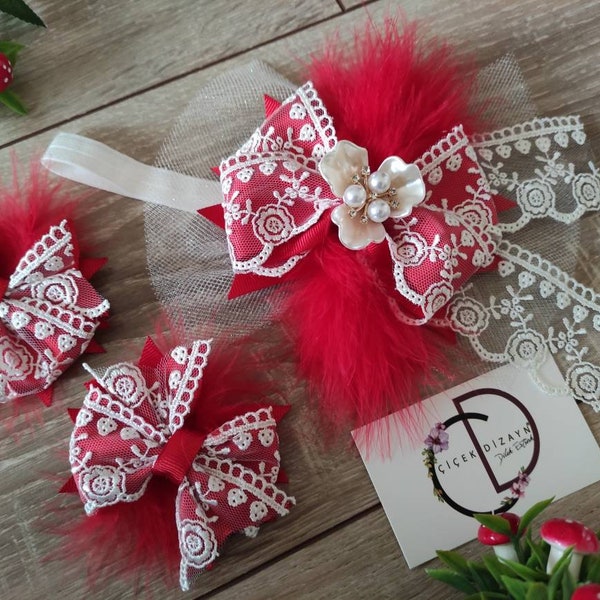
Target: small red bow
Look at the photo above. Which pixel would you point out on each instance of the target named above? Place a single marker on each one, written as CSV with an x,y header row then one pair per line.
x,y
49,313
132,426
277,208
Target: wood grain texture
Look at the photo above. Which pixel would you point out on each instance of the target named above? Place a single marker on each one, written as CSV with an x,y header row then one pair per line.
x,y
336,542
98,52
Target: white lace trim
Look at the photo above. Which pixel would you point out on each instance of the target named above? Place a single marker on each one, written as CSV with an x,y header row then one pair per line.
x,y
469,241
529,163
58,239
451,144
107,405
186,388
263,417
71,322
534,263
245,479
281,163
536,127
197,541
534,289
46,328
319,115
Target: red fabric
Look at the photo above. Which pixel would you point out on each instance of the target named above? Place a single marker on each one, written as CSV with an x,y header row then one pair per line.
x,y
90,266
175,459
214,214
271,105
94,348
178,470
396,93
49,311
262,250
46,396
68,487
73,412
48,315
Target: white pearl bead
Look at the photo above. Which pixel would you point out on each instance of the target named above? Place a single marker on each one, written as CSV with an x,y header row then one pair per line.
x,y
379,182
378,211
355,196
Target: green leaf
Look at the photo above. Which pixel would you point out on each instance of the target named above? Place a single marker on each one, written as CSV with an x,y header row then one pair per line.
x,y
455,561
568,586
538,553
495,523
12,101
453,579
11,49
488,596
532,513
515,587
590,569
20,10
495,568
538,591
525,572
482,578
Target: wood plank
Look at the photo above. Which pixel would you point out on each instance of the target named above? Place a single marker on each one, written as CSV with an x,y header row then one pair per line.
x,y
96,53
361,559
331,487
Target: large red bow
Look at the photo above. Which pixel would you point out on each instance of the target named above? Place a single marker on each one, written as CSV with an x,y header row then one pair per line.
x,y
133,426
277,207
49,313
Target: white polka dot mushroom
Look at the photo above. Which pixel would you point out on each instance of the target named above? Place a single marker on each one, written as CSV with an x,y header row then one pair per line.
x,y
500,543
562,534
588,591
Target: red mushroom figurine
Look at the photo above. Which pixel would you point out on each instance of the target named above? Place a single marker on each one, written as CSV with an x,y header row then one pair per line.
x,y
562,534
502,544
589,591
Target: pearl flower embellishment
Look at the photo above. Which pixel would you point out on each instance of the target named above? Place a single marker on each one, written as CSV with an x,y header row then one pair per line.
x,y
369,198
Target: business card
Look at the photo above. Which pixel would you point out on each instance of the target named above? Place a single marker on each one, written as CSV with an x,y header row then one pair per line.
x,y
492,444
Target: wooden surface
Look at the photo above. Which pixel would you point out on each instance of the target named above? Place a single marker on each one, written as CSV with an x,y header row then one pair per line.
x,y
120,72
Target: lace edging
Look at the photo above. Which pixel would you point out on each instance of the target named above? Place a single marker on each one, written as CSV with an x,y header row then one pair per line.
x,y
534,127
455,140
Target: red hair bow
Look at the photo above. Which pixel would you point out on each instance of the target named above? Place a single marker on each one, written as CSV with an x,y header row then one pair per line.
x,y
135,424
279,196
49,313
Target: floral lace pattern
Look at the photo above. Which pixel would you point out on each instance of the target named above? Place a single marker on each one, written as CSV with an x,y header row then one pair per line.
x,y
530,308
532,288
129,417
543,165
450,236
49,313
272,187
480,192
274,194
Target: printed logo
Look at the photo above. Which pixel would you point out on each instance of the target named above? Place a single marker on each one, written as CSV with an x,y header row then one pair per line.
x,y
495,453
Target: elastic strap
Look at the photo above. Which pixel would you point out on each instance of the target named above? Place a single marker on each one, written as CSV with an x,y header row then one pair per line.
x,y
89,162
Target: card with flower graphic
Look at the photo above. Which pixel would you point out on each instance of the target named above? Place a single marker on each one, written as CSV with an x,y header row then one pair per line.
x,y
487,445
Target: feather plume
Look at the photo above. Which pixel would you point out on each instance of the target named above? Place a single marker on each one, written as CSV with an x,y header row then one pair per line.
x,y
138,540
29,206
395,93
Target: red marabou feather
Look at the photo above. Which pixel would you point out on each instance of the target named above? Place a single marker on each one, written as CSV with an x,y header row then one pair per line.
x,y
28,208
137,541
394,94
361,362
29,205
